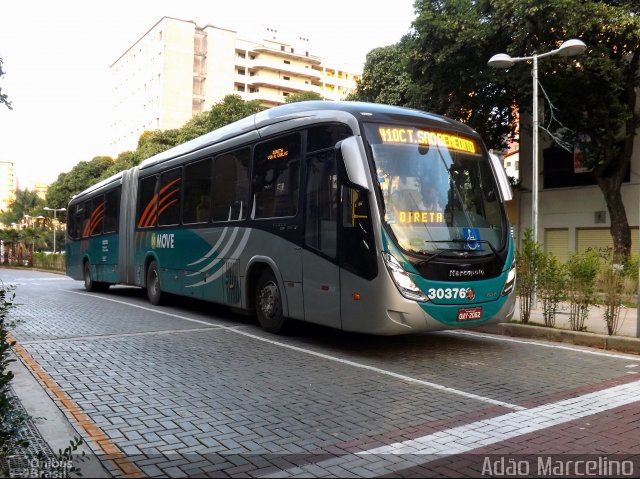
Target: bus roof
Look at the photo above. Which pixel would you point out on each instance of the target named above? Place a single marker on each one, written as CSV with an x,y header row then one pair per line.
x,y
270,116
291,111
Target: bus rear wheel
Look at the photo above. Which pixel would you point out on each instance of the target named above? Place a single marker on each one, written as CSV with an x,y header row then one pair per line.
x,y
154,289
89,284
269,304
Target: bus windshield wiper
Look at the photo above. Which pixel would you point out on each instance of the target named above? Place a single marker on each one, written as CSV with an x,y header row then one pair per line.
x,y
493,250
440,251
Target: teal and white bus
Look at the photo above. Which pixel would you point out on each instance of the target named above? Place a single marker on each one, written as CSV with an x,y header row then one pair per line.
x,y
357,216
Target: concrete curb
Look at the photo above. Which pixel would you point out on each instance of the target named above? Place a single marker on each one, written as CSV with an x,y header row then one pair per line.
x,y
623,344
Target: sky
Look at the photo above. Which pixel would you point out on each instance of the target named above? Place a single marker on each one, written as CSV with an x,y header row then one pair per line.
x,y
57,55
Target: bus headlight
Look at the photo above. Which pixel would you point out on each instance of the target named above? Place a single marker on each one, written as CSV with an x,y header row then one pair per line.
x,y
511,280
401,278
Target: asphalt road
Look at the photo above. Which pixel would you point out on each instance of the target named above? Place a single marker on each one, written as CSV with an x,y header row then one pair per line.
x,y
191,389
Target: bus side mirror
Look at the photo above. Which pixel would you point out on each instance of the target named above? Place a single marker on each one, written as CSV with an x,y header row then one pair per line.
x,y
501,176
352,158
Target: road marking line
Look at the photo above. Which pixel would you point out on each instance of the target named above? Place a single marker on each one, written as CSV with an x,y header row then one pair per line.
x,y
121,335
466,438
95,433
544,345
402,377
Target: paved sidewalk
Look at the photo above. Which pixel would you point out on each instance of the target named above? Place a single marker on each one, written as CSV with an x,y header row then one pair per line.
x,y
595,323
595,335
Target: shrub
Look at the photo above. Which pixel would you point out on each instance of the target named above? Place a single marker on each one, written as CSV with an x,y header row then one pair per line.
x,y
11,419
582,271
617,284
551,287
527,263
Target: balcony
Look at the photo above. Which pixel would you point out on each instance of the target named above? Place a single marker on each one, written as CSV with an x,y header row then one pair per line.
x,y
285,54
271,82
281,67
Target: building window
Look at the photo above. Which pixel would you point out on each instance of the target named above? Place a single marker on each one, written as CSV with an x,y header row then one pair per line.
x,y
287,62
286,78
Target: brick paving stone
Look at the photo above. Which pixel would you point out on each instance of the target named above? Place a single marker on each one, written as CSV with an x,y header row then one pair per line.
x,y
218,391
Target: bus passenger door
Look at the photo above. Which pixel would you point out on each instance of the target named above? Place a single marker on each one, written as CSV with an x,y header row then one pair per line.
x,y
320,270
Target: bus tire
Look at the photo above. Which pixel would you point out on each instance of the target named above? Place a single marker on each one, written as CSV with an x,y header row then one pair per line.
x,y
268,301
154,289
89,284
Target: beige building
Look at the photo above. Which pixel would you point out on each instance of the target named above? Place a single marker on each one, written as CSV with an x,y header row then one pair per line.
x,y
179,69
7,184
572,211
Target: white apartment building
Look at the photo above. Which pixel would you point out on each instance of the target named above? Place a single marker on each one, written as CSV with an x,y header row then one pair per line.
x,y
178,69
7,184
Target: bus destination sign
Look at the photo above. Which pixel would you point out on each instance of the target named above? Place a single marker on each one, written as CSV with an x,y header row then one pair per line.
x,y
410,135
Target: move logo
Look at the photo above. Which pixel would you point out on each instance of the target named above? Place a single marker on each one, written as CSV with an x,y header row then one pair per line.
x,y
162,241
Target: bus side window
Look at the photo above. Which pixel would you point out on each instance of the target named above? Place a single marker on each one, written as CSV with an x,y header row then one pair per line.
x,y
197,192
73,222
112,211
97,216
358,243
147,206
169,198
276,177
86,219
231,185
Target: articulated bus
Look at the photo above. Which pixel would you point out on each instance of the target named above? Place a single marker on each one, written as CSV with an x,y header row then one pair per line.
x,y
357,216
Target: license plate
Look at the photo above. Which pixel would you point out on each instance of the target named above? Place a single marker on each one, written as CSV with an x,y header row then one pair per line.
x,y
469,314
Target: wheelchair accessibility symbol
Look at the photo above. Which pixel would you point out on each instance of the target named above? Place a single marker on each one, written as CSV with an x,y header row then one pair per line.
x,y
472,239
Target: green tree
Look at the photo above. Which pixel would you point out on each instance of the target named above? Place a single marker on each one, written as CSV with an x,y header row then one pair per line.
x,y
150,143
594,96
231,108
124,161
385,78
81,176
153,142
26,202
4,98
304,96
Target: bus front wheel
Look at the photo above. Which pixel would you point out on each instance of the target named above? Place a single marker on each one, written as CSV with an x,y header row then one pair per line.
x,y
154,290
269,303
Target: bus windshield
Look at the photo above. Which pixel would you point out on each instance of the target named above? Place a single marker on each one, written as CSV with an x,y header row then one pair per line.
x,y
439,192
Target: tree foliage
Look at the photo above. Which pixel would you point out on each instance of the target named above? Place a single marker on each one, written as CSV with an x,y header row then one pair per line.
x,y
4,98
150,143
303,96
385,78
594,95
81,176
231,108
26,202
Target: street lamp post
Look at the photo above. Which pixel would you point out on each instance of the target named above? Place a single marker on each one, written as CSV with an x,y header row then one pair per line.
x,y
55,210
502,60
